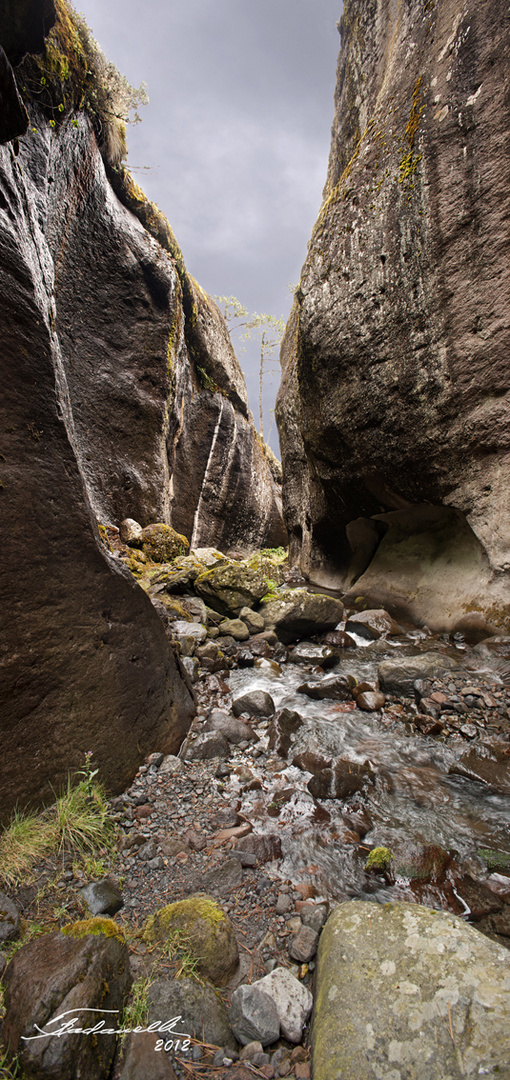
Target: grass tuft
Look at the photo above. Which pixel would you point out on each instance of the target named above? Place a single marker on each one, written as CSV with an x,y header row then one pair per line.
x,y
29,837
136,1012
78,822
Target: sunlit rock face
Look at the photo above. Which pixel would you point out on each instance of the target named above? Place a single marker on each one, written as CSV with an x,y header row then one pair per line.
x,y
111,357
396,370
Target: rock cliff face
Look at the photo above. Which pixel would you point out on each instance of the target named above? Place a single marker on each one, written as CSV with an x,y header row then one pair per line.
x,y
394,402
120,390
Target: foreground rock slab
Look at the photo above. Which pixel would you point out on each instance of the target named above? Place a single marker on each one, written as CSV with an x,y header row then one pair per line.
x,y
404,991
83,973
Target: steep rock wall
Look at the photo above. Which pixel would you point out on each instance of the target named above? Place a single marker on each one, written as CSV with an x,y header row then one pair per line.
x,y
84,658
396,370
108,349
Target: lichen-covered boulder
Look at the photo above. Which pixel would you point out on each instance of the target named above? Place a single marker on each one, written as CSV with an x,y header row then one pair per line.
x,y
404,991
161,543
208,931
231,587
80,977
298,613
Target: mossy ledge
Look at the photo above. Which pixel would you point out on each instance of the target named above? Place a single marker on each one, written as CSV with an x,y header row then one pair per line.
x,y
95,926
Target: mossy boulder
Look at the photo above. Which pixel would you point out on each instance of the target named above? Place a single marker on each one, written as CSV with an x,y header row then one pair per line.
x,y
83,974
200,926
403,990
231,587
161,543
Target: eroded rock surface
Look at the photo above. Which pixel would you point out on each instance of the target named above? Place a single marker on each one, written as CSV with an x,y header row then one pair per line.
x,y
395,387
110,352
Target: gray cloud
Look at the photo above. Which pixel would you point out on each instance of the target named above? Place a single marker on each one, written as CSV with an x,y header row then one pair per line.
x,y
233,146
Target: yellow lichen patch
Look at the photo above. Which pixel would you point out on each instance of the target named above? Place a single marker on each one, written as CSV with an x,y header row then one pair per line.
x,y
95,926
415,116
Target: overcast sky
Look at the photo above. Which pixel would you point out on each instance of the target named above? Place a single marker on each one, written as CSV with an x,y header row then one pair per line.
x,y
233,146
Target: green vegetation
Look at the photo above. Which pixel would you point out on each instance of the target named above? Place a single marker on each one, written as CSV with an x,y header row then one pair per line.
x,y
9,1067
78,822
179,947
136,1012
98,925
379,859
496,860
72,74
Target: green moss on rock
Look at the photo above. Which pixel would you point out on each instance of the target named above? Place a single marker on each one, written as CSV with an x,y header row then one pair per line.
x,y
208,930
97,925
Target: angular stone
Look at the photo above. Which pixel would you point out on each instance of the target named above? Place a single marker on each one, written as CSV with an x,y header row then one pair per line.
x,y
398,676
138,1058
304,945
171,764
314,916
181,628
104,897
192,668
373,624
202,1014
286,724
266,847
309,653
85,969
293,1001
200,920
204,747
255,703
298,613
232,586
253,620
9,919
230,726
335,687
253,1015
236,628
223,879
414,977
343,779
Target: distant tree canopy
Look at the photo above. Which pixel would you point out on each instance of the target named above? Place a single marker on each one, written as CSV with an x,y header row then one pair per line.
x,y
267,328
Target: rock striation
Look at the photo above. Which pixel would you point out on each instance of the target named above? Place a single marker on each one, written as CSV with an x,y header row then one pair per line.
x,y
394,403
122,397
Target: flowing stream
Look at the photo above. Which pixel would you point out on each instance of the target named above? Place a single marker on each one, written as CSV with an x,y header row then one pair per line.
x,y
413,802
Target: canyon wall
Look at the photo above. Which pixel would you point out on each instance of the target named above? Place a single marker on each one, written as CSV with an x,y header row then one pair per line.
x,y
120,388
394,405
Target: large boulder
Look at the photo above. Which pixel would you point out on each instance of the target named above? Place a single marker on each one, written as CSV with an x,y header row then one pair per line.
x,y
297,613
399,675
406,991
78,978
231,587
202,925
394,393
